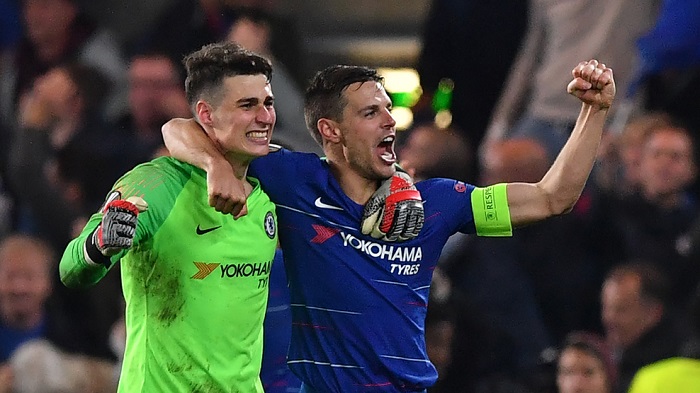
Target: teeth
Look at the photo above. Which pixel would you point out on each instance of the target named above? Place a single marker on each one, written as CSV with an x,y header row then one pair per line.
x,y
257,134
389,139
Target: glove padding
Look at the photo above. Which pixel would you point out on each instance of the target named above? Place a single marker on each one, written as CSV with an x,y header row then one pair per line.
x,y
115,232
395,210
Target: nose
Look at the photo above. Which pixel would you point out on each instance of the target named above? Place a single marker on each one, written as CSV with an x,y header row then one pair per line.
x,y
266,115
389,121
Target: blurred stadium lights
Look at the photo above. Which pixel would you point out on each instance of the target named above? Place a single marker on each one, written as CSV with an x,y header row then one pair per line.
x,y
403,86
442,103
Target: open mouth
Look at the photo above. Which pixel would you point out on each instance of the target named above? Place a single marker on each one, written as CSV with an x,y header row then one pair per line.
x,y
257,136
386,149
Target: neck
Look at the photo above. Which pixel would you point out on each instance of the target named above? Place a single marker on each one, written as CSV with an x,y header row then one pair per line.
x,y
354,185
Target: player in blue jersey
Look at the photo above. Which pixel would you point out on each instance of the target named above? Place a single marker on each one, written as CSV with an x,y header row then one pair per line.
x,y
359,303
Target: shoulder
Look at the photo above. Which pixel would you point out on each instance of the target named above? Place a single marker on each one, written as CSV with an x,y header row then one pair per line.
x,y
444,187
281,161
152,174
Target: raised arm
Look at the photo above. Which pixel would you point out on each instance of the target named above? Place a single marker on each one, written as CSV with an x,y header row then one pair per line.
x,y
187,142
562,185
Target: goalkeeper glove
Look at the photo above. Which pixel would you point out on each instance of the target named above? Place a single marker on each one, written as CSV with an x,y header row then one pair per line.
x,y
116,231
395,210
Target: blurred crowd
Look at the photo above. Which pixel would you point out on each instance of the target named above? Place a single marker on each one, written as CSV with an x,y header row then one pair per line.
x,y
602,300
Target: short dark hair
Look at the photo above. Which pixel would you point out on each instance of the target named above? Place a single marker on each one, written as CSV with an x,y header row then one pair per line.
x,y
653,283
207,68
324,96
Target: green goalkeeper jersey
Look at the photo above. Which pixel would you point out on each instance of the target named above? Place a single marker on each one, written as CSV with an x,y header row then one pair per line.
x,y
195,283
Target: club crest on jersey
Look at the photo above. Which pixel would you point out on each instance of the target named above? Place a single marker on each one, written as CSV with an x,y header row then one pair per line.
x,y
270,226
460,187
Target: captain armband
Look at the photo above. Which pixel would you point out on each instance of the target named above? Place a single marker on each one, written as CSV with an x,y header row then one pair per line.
x,y
491,212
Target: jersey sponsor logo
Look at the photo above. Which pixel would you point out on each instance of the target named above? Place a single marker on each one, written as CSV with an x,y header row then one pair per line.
x,y
245,269
235,270
323,233
270,225
204,269
201,231
322,205
405,270
383,251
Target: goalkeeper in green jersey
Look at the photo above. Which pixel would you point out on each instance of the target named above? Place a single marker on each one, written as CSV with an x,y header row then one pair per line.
x,y
194,280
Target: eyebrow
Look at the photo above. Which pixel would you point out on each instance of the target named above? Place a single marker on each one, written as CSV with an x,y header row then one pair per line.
x,y
254,100
376,106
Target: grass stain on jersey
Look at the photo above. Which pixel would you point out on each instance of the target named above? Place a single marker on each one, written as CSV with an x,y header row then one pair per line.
x,y
160,281
206,387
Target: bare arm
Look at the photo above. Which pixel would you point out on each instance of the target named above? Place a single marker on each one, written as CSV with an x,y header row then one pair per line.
x,y
562,185
187,142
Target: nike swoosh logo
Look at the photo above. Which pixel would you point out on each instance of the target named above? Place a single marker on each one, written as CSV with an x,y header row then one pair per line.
x,y
201,231
322,205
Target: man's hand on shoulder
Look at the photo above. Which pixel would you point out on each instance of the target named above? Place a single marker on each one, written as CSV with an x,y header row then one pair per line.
x,y
227,194
395,210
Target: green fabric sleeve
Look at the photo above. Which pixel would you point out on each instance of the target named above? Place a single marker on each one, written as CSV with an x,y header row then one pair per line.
x,y
491,212
74,270
144,180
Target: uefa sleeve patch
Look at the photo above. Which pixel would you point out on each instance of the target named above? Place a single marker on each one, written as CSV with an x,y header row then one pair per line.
x,y
491,212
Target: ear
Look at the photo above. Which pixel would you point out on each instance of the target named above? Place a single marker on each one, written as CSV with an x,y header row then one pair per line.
x,y
204,113
329,130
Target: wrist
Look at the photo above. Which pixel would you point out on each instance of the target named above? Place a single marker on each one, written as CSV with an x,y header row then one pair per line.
x,y
213,163
91,252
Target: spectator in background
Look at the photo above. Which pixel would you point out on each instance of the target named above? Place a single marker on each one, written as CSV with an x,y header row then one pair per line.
x,y
677,375
62,145
638,324
63,161
490,273
618,168
26,265
183,27
654,221
467,42
187,25
669,75
430,151
252,29
155,96
559,32
549,260
34,331
56,32
585,365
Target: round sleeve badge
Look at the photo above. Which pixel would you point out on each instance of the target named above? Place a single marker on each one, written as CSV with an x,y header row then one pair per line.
x,y
270,225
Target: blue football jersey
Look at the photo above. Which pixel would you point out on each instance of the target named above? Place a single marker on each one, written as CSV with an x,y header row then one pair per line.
x,y
358,304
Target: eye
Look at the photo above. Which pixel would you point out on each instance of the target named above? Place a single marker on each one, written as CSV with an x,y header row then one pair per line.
x,y
270,103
